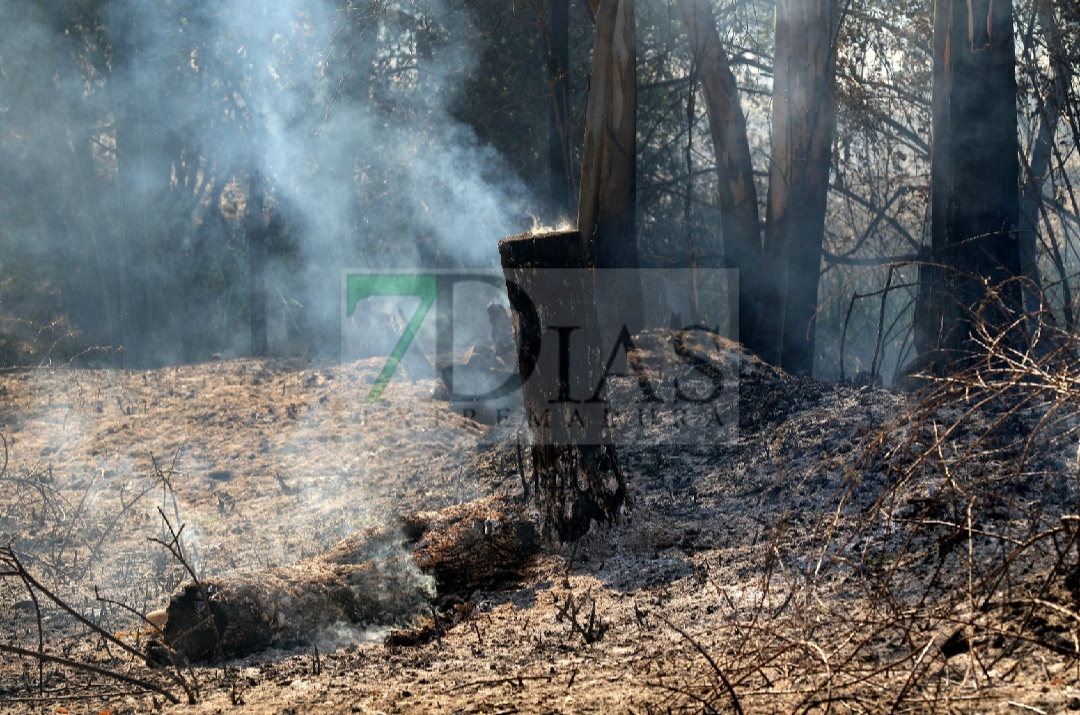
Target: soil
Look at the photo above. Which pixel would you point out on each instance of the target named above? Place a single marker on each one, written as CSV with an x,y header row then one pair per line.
x,y
845,549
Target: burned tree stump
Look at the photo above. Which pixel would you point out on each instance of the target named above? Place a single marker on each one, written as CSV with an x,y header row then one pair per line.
x,y
550,284
375,578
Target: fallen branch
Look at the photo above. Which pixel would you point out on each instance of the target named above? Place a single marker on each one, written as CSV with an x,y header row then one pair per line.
x,y
45,657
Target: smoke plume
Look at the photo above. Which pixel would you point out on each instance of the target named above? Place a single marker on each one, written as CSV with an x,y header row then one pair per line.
x,y
133,131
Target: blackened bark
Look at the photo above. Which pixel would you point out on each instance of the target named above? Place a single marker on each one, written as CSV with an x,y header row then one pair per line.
x,y
579,480
974,178
256,227
803,123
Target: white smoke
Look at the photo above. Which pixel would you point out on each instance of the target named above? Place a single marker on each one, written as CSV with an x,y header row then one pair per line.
x,y
342,108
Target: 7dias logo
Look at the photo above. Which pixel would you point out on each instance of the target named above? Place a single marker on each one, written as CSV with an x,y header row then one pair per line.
x,y
489,346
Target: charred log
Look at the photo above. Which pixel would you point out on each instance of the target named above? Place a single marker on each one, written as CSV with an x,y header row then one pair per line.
x,y
375,578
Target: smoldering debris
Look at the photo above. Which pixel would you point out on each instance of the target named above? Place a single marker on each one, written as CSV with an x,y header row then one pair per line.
x,y
380,577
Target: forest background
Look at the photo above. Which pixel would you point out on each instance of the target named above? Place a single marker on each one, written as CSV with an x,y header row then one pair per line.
x,y
184,180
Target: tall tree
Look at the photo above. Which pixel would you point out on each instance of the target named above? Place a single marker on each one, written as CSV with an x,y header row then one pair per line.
x,y
803,122
607,203
1049,106
557,47
736,191
974,176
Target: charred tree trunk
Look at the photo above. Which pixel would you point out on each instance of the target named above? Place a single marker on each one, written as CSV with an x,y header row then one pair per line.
x,y
558,57
1038,165
549,280
739,222
379,577
974,179
803,121
256,226
607,202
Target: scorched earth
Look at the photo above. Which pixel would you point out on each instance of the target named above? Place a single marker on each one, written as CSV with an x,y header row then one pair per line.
x,y
849,549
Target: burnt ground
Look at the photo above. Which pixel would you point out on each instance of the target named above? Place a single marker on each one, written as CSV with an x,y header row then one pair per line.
x,y
845,549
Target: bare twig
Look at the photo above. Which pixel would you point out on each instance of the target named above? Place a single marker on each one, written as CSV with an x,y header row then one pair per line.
x,y
77,665
716,669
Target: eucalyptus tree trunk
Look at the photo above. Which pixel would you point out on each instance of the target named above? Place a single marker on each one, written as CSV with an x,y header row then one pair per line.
x,y
737,194
607,202
974,179
1039,161
558,56
803,123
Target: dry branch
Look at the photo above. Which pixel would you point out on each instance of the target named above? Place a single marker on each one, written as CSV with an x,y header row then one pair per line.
x,y
78,665
14,567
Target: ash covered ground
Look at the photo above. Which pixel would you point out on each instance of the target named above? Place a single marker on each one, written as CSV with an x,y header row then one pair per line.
x,y
848,548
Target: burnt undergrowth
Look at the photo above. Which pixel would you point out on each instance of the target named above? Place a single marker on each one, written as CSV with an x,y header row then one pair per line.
x,y
937,564
898,553
79,623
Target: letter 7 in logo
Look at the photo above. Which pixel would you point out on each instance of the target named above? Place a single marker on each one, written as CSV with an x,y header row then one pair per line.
x,y
360,286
